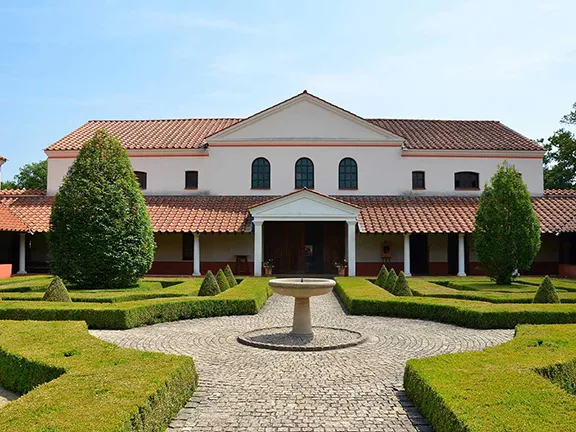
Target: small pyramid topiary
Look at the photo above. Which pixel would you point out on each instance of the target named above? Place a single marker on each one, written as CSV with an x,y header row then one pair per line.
x,y
382,276
56,291
209,285
230,276
401,288
390,281
546,292
222,281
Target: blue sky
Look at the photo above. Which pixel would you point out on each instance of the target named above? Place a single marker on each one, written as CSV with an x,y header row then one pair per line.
x,y
65,62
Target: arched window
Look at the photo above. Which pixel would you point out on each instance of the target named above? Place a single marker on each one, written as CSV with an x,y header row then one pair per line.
x,y
304,175
466,180
260,174
348,174
141,176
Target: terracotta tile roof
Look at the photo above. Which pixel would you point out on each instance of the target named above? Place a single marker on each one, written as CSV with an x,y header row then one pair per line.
x,y
147,134
563,192
230,214
12,192
334,198
457,135
190,134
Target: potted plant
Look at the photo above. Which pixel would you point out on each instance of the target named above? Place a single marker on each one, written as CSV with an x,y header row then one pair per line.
x,y
341,266
268,266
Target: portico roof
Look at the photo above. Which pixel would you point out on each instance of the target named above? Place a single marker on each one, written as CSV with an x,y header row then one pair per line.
x,y
233,214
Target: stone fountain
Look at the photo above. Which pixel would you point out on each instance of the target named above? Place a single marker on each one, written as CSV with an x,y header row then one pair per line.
x,y
302,336
302,289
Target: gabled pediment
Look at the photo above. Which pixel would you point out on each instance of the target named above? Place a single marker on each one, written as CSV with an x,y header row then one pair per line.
x,y
304,118
305,205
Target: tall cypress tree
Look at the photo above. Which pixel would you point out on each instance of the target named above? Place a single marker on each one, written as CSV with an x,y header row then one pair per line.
x,y
100,232
507,231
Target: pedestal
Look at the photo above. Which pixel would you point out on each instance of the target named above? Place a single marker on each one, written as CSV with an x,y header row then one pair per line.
x,y
302,323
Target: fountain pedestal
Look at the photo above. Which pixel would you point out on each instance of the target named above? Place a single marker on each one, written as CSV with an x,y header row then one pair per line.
x,y
302,289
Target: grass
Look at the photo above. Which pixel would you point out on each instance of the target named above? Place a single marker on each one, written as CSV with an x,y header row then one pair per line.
x,y
74,382
112,310
503,388
362,297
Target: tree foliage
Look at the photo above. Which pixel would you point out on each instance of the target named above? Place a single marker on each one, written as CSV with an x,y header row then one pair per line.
x,y
546,292
56,291
560,157
100,232
507,231
223,283
230,276
382,276
209,285
30,176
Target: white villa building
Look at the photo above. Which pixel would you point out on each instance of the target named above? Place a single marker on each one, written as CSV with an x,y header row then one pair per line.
x,y
306,184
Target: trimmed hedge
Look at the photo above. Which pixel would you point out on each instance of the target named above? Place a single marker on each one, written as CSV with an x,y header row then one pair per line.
x,y
75,382
245,298
223,283
230,276
546,292
56,291
361,297
500,388
209,286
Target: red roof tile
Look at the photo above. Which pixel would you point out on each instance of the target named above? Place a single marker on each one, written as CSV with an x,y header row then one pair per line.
x,y
12,192
563,192
230,214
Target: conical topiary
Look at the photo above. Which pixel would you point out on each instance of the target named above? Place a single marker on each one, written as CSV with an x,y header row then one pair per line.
x,y
546,292
222,281
382,276
56,291
230,276
209,285
391,281
401,288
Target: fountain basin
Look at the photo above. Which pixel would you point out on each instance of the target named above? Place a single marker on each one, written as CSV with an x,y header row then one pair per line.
x,y
302,289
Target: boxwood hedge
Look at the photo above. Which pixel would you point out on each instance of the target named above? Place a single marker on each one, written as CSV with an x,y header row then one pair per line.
x,y
74,382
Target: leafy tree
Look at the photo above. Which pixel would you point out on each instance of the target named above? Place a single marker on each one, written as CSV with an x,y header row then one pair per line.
x,y
546,292
30,176
100,232
402,288
56,291
209,285
507,231
223,283
382,276
390,281
230,276
560,157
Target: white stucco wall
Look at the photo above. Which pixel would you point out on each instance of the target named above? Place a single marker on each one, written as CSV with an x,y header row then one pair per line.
x,y
213,247
368,247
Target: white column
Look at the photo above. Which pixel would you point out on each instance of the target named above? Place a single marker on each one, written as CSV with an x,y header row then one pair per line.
x,y
258,248
407,255
22,261
351,248
461,255
196,255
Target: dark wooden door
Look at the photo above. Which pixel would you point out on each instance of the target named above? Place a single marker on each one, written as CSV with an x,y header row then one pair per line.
x,y
419,254
284,243
334,233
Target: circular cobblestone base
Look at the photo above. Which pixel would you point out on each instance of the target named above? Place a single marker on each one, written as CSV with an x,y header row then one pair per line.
x,y
282,339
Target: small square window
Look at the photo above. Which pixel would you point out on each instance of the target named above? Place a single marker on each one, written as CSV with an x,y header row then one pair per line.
x,y
191,180
418,180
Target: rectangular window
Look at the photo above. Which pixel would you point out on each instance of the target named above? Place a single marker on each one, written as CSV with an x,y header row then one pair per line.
x,y
466,180
418,180
142,179
191,179
188,247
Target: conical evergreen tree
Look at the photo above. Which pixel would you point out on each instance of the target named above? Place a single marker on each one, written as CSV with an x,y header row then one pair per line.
x,y
402,288
230,276
100,232
382,276
56,291
222,281
391,281
546,292
209,285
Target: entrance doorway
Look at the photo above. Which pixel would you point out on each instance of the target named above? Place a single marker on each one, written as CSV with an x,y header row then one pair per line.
x,y
419,254
304,247
453,254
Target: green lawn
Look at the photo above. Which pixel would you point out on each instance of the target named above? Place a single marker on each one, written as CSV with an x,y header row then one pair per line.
x,y
74,382
525,385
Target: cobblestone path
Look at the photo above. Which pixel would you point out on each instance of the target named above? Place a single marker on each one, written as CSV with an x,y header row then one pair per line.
x,y
353,389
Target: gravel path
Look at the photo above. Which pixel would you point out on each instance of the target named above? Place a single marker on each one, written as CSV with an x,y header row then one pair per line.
x,y
353,389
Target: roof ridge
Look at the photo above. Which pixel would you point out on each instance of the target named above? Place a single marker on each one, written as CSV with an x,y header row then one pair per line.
x,y
164,119
432,120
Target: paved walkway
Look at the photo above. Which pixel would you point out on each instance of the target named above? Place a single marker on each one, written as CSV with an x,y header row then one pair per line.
x,y
353,389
